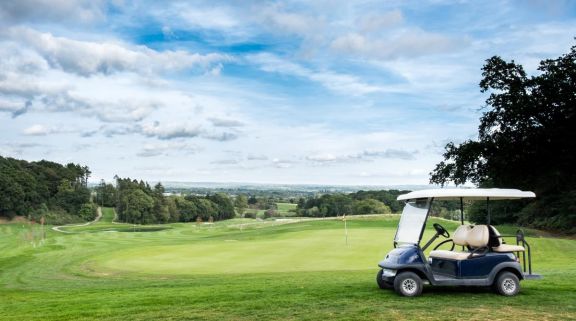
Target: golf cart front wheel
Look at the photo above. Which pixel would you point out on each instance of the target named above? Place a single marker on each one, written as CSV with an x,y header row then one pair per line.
x,y
408,284
507,284
381,283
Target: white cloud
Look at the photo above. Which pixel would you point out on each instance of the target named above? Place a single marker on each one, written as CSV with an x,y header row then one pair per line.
x,y
404,43
85,11
282,163
225,162
220,136
322,158
10,105
207,17
291,22
366,155
341,83
57,92
89,57
166,149
216,70
253,157
223,122
44,130
170,131
376,22
39,130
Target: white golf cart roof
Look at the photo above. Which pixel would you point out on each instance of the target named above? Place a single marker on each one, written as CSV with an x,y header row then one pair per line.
x,y
467,193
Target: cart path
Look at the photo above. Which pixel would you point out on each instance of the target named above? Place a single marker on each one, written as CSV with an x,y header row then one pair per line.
x,y
98,217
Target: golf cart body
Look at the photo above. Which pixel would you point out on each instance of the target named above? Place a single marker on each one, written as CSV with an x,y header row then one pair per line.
x,y
485,260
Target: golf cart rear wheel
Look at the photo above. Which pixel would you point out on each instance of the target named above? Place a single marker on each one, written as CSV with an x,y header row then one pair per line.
x,y
381,283
408,284
507,284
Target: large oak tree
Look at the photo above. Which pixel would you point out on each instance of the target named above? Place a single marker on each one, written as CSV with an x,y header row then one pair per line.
x,y
526,139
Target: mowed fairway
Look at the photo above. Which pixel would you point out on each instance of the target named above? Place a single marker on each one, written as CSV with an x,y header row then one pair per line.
x,y
264,271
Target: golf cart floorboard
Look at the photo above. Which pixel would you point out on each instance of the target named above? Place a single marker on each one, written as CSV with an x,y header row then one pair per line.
x,y
440,279
532,276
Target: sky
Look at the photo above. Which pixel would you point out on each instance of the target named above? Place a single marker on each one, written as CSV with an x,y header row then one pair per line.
x,y
288,92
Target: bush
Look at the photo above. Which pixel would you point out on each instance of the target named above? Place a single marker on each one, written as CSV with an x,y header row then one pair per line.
x,y
250,215
54,216
88,212
370,206
270,213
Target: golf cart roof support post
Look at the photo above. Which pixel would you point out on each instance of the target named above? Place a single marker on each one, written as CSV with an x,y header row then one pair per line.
x,y
461,211
430,201
488,210
462,215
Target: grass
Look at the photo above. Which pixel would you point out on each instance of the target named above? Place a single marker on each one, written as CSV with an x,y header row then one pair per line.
x,y
282,210
286,209
267,271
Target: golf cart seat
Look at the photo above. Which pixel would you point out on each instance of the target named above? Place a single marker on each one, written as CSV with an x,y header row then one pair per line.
x,y
497,244
465,235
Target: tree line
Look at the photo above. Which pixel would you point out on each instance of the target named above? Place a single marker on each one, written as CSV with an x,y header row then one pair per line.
x,y
45,190
361,202
137,202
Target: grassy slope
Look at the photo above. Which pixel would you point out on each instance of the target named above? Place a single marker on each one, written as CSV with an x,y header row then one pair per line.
x,y
298,271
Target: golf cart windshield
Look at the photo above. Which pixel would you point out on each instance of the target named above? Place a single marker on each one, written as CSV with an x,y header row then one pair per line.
x,y
412,221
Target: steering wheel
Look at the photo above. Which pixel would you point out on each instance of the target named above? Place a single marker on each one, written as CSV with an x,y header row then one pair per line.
x,y
441,230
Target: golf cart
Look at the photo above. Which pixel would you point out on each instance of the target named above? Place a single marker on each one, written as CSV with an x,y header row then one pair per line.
x,y
482,257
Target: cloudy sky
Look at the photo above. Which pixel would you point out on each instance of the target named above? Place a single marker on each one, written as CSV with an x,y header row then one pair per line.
x,y
323,92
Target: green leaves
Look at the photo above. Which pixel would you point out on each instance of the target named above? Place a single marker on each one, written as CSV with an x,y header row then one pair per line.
x,y
27,187
526,137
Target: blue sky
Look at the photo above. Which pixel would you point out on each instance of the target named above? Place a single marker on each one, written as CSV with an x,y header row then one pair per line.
x,y
319,92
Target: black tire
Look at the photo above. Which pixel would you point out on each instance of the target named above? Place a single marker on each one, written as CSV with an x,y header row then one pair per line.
x,y
408,284
381,283
507,284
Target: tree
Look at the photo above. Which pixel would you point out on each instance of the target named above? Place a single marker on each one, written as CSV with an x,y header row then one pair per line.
x,y
11,196
138,207
187,209
241,203
526,138
252,200
225,208
204,207
87,211
160,211
370,206
106,194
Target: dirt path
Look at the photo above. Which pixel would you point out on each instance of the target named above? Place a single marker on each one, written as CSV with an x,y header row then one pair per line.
x,y
98,217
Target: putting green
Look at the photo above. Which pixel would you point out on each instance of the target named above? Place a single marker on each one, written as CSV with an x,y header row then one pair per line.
x,y
320,250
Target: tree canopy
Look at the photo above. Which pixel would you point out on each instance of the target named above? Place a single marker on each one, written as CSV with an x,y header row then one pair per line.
x,y
33,189
526,139
361,202
138,202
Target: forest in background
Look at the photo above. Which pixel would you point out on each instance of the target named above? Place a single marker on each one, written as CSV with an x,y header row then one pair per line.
x,y
45,190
